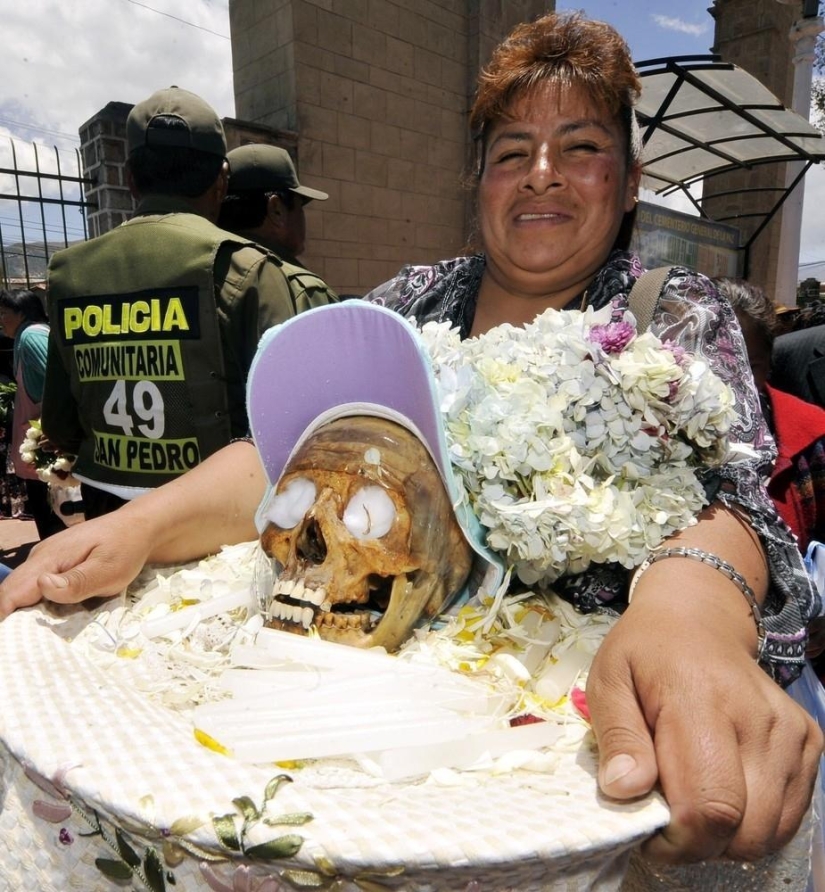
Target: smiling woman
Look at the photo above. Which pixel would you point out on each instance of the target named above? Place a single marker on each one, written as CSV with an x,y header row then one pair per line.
x,y
557,178
556,186
556,181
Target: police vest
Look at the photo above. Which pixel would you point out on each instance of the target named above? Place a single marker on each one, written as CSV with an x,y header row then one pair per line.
x,y
134,319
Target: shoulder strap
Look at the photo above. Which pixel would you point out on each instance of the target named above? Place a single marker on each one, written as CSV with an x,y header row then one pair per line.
x,y
304,284
644,295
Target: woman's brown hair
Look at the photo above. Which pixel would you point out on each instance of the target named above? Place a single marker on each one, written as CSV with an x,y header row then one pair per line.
x,y
567,49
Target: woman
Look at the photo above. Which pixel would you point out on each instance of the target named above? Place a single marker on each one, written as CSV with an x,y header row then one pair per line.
x,y
23,318
676,693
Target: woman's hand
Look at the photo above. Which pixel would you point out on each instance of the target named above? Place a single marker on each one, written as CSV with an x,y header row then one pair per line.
x,y
93,558
208,507
677,697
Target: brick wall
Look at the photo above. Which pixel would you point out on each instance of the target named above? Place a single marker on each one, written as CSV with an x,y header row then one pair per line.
x,y
378,93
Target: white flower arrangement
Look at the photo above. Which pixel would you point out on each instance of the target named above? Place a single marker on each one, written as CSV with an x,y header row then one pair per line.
x,y
52,467
577,439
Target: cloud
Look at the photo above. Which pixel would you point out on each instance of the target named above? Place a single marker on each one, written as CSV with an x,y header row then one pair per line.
x,y
62,62
671,24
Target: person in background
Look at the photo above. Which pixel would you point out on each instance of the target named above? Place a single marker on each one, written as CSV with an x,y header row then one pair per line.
x,y
23,317
797,482
682,693
798,362
264,200
265,203
154,324
12,488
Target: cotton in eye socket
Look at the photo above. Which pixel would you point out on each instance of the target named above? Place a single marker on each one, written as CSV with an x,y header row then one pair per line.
x,y
370,513
288,507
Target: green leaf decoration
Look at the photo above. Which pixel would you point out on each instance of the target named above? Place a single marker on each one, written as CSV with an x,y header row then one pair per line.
x,y
325,866
247,808
225,831
282,847
184,826
295,818
129,855
274,785
173,854
199,851
306,879
153,869
115,870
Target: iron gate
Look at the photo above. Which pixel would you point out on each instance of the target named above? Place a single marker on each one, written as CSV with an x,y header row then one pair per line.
x,y
42,208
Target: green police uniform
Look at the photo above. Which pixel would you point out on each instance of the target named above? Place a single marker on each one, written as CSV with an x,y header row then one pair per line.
x,y
154,327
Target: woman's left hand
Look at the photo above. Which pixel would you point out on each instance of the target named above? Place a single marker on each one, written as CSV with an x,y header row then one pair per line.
x,y
677,697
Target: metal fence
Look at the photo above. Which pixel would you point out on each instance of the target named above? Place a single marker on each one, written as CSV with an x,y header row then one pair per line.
x,y
42,208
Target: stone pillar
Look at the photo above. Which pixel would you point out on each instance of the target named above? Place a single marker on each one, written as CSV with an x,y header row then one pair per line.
x,y
753,35
803,36
103,154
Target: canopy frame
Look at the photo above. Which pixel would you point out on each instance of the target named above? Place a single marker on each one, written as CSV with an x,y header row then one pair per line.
x,y
677,92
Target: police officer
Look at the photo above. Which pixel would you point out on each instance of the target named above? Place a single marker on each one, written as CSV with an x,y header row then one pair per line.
x,y
155,324
265,202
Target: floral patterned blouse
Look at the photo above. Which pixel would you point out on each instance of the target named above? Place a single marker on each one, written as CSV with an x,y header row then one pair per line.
x,y
690,313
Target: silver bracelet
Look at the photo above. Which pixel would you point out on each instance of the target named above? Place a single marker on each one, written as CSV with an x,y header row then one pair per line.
x,y
705,557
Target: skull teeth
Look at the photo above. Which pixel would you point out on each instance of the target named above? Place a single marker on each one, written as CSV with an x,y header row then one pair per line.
x,y
299,592
345,620
290,613
306,606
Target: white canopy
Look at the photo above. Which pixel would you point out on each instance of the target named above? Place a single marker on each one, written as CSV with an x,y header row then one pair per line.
x,y
701,117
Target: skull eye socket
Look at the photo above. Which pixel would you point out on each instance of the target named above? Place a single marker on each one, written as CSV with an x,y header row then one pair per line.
x,y
370,513
287,508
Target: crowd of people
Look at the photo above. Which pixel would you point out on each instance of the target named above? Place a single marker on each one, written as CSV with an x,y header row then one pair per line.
x,y
687,691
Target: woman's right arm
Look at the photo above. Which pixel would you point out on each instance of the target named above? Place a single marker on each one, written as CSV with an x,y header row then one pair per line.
x,y
210,506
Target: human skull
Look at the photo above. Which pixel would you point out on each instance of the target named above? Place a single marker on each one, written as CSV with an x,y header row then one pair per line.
x,y
363,531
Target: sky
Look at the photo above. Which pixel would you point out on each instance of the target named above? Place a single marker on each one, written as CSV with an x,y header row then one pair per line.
x,y
63,61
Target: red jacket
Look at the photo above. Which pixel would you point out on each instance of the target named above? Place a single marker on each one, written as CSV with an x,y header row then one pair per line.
x,y
797,485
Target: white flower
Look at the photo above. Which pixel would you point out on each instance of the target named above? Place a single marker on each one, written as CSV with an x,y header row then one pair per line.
x,y
576,439
50,467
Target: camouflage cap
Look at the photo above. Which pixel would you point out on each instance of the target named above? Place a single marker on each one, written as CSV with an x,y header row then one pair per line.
x,y
175,117
260,167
